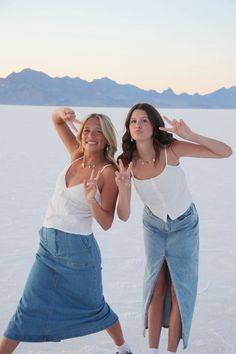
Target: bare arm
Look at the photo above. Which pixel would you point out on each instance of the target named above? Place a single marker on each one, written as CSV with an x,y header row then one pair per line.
x,y
62,119
124,186
123,205
197,145
104,211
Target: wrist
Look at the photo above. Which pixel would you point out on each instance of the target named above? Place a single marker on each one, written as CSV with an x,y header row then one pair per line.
x,y
193,137
92,201
124,188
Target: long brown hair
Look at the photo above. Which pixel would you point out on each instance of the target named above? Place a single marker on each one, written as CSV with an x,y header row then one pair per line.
x,y
160,138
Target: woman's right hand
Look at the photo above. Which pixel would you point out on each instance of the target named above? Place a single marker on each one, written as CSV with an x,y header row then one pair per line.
x,y
123,175
67,115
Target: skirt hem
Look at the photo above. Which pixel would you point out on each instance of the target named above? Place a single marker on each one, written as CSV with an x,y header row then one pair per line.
x,y
58,338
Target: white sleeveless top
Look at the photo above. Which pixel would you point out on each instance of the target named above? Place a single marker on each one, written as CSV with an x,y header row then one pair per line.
x,y
167,193
68,209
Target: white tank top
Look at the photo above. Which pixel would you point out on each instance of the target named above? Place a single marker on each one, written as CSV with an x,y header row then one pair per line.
x,y
167,193
68,209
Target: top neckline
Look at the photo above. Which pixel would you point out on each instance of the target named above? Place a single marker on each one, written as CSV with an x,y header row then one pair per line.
x,y
157,176
162,172
78,184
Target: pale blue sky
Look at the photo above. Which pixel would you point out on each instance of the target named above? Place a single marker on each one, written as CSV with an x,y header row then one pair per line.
x,y
187,45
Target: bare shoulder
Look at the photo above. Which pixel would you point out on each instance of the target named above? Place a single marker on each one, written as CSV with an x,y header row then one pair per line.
x,y
108,185
108,171
173,153
107,177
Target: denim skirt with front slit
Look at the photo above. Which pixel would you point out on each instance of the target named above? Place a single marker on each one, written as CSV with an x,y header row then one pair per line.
x,y
63,296
175,242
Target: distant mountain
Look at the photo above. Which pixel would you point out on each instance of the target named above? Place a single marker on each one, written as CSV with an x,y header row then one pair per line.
x,y
30,87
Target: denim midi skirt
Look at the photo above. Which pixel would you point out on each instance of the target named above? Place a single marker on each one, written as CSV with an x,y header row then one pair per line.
x,y
176,242
63,296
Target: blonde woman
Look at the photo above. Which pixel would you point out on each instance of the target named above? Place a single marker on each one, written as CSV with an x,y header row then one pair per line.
x,y
63,296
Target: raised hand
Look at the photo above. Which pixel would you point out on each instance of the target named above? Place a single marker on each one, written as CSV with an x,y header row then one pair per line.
x,y
178,127
69,116
90,186
123,175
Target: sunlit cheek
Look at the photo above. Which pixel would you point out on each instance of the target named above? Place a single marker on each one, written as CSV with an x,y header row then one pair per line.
x,y
102,140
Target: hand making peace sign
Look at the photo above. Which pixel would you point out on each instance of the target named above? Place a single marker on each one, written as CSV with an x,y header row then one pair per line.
x,y
178,127
69,116
123,175
91,186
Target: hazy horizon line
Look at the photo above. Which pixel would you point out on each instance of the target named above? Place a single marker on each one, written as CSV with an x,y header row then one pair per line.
x,y
106,77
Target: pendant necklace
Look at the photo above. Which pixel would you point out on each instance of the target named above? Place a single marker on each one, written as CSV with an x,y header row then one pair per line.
x,y
88,165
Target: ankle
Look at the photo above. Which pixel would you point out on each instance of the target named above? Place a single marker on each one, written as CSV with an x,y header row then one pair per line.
x,y
124,348
153,351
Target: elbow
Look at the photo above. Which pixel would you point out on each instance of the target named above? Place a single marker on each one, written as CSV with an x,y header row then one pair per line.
x,y
106,227
107,224
228,152
123,217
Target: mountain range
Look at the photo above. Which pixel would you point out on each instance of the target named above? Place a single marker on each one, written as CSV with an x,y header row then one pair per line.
x,y
31,87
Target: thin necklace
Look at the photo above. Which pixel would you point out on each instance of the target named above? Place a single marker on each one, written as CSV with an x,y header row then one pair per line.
x,y
146,162
88,165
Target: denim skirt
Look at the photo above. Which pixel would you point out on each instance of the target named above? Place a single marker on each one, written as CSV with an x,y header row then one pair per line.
x,y
63,295
175,242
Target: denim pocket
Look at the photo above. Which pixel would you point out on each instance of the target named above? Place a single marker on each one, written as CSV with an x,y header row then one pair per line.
x,y
79,252
42,250
43,236
148,211
97,251
86,240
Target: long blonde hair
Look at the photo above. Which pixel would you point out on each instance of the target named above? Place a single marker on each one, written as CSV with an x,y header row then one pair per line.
x,y
109,133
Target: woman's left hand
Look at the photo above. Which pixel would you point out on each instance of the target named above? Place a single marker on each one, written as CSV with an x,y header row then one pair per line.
x,y
91,187
178,127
